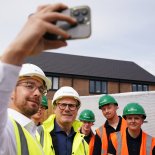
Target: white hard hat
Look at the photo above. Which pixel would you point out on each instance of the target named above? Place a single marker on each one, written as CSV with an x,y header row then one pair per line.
x,y
66,91
33,70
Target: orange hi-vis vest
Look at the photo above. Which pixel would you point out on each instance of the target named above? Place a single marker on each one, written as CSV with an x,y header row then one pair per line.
x,y
120,144
91,144
103,135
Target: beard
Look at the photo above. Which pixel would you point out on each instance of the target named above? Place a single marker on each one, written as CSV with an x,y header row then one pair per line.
x,y
29,106
30,112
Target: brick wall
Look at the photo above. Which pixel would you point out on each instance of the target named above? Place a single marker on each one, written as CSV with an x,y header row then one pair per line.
x,y
81,86
63,81
125,87
151,88
113,87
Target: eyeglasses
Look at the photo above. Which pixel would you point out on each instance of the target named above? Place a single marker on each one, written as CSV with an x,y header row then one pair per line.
x,y
62,106
32,87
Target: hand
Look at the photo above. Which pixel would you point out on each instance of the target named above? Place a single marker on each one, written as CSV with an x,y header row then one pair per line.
x,y
30,40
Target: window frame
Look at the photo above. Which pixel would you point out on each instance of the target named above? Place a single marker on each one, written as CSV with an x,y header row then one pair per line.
x,y
102,85
53,81
144,87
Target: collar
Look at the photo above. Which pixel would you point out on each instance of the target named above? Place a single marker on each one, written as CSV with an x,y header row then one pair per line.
x,y
138,138
24,121
49,124
119,123
58,129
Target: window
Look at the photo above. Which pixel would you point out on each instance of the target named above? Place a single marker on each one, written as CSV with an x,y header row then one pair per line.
x,y
91,87
97,87
55,83
145,88
139,87
134,87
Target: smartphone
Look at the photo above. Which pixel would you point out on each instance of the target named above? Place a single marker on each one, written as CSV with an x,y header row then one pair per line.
x,y
79,31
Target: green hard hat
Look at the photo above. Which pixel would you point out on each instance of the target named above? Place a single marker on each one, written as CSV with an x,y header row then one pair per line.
x,y
87,115
134,109
106,99
44,102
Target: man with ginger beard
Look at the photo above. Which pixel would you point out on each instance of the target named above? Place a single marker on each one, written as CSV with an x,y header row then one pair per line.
x,y
27,96
25,84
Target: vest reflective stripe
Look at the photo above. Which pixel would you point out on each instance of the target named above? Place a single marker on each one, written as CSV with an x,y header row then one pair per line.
x,y
84,147
120,144
103,135
91,145
41,134
119,140
16,135
23,141
148,144
77,147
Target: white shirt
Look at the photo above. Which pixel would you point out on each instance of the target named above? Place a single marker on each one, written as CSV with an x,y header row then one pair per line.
x,y
8,78
24,121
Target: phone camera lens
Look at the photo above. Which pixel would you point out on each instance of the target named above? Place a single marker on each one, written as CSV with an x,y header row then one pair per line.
x,y
76,13
80,18
84,11
81,15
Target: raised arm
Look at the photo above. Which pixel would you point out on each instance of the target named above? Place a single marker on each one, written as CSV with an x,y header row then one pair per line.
x,y
30,40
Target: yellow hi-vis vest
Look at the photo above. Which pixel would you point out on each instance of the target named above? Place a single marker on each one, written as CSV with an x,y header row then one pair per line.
x,y
26,143
79,147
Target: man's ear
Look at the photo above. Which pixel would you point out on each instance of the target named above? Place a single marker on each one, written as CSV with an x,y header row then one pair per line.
x,y
12,95
12,99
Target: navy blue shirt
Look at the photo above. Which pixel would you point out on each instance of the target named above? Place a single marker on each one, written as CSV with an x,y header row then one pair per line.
x,y
64,141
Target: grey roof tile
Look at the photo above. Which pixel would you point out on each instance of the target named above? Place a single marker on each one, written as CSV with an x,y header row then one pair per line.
x,y
91,66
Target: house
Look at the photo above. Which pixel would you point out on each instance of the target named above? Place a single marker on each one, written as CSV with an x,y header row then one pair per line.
x,y
91,75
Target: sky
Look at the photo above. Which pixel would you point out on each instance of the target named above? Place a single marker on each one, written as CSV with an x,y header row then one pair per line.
x,y
121,29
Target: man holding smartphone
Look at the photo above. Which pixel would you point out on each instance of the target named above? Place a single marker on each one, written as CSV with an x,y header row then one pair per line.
x,y
28,42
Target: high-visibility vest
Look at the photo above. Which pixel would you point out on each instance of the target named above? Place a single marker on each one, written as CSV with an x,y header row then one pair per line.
x,y
103,135
26,143
120,144
91,144
79,146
